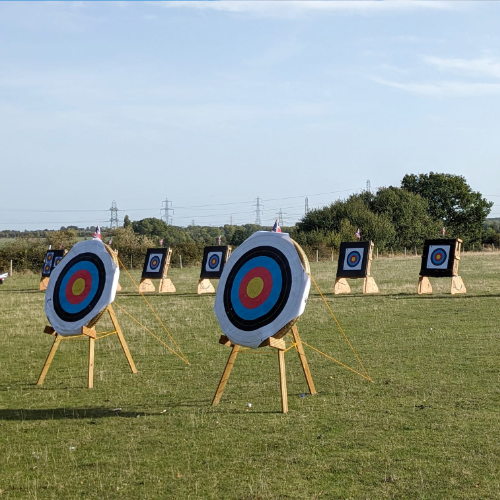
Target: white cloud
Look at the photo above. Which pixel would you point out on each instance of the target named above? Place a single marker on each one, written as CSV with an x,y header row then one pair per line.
x,y
484,67
443,89
293,8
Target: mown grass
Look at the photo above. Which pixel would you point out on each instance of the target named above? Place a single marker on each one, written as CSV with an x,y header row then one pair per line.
x,y
427,428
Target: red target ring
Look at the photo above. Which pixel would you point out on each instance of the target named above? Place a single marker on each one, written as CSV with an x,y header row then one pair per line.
x,y
255,287
78,287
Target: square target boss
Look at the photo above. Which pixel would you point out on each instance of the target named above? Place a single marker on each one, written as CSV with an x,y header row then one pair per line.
x,y
154,263
52,258
438,258
213,261
353,259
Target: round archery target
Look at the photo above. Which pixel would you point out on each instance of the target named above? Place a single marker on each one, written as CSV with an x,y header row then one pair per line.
x,y
81,286
46,268
438,256
263,287
57,260
154,263
214,260
49,257
353,260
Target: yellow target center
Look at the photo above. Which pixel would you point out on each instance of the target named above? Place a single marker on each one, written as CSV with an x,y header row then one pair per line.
x,y
78,286
255,287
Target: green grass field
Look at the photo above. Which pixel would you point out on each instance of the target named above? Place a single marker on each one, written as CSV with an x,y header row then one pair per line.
x,y
427,427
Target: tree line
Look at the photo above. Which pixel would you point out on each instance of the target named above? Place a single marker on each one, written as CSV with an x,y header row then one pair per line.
x,y
394,218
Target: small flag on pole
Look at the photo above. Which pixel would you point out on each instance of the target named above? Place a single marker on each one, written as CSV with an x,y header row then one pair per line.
x,y
443,231
50,247
60,246
358,234
276,227
219,240
161,242
97,233
109,242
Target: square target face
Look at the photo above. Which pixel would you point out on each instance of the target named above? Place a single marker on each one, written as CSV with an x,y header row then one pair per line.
x,y
154,264
52,258
353,259
213,262
438,258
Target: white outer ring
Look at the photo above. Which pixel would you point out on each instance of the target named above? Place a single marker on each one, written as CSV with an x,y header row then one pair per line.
x,y
299,291
112,275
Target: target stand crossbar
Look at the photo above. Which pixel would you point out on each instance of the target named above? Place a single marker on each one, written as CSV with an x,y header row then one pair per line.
x,y
278,343
92,335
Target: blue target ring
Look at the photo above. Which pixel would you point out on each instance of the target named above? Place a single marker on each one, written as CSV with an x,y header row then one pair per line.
x,y
71,304
439,256
353,258
154,262
257,288
214,261
275,284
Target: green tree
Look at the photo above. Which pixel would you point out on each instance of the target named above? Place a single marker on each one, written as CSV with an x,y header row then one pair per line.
x,y
126,221
452,201
344,217
409,214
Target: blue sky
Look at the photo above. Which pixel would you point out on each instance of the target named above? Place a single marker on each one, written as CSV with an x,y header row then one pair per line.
x,y
213,104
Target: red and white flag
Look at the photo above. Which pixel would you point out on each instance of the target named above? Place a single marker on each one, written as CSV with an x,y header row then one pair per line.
x,y
109,242
219,240
161,242
276,227
97,233
443,231
358,234
60,246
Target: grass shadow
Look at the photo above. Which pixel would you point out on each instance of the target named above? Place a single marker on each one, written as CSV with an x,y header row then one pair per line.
x,y
21,414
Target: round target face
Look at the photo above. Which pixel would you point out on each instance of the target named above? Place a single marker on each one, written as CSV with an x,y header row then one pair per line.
x,y
263,287
257,289
46,268
213,263
154,263
81,287
57,260
438,256
49,257
353,258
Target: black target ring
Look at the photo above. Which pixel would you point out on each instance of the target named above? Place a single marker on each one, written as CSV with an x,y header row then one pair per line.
x,y
281,266
86,259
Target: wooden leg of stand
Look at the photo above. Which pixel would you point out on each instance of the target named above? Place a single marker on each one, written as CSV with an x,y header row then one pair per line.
x,y
303,359
91,362
284,394
49,359
225,375
121,338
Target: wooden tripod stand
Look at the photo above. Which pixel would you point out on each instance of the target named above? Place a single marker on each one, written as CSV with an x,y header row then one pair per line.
x,y
91,333
279,345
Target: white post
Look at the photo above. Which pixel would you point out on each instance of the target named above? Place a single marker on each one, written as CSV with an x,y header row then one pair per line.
x,y
332,254
11,268
317,255
180,260
377,252
405,251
